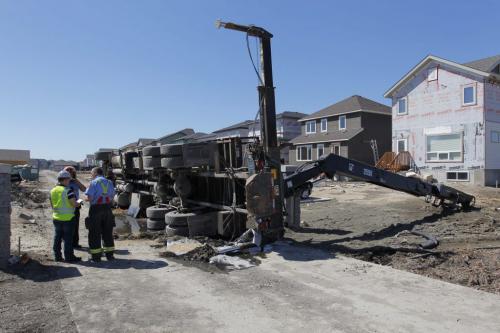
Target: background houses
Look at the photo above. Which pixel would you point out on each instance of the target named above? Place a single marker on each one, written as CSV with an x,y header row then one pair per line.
x,y
344,128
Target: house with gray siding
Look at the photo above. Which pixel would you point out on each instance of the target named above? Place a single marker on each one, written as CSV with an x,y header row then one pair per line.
x,y
344,128
447,115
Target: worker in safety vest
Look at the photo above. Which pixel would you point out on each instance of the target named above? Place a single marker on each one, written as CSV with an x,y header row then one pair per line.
x,y
63,203
76,186
100,221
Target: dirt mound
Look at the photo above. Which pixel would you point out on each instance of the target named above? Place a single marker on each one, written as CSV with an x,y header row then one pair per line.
x,y
28,194
202,253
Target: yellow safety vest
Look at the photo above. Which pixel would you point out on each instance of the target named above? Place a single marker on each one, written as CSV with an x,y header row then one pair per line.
x,y
62,209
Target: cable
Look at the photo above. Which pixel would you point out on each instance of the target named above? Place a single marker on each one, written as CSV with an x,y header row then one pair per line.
x,y
253,63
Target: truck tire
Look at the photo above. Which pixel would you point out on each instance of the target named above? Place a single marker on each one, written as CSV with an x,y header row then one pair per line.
x,y
116,161
176,231
150,162
171,150
155,224
175,162
157,213
176,219
102,155
151,151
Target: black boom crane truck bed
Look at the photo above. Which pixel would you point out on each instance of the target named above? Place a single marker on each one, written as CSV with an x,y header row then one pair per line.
x,y
438,194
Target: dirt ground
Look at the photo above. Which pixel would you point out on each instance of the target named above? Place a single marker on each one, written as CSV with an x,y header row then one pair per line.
x,y
31,295
371,223
358,220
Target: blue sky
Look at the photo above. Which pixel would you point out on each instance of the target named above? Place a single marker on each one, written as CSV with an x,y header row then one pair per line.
x,y
79,75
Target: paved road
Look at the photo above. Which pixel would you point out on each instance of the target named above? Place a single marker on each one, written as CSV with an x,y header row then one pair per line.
x,y
292,290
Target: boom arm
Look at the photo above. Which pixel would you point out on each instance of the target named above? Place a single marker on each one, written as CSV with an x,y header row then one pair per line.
x,y
332,164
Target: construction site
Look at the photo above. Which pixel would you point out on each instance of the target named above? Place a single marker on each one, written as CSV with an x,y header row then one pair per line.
x,y
353,224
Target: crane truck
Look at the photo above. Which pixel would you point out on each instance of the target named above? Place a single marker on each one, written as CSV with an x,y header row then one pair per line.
x,y
223,187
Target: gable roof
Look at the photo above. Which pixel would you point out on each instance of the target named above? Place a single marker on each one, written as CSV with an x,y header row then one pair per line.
x,y
476,67
184,132
243,124
291,114
485,65
348,105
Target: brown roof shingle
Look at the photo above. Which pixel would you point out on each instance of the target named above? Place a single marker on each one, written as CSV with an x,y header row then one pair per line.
x,y
485,64
353,103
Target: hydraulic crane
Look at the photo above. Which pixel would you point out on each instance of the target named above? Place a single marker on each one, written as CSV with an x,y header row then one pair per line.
x,y
332,164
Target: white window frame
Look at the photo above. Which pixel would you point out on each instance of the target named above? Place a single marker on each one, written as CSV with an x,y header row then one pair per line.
x,y
445,152
406,106
307,126
308,152
324,121
432,74
456,179
333,148
405,140
474,94
322,148
345,123
497,134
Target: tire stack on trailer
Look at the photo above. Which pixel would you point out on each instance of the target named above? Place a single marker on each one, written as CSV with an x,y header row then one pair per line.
x,y
171,156
151,157
156,217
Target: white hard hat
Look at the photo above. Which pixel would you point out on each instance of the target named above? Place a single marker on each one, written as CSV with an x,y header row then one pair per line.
x,y
63,174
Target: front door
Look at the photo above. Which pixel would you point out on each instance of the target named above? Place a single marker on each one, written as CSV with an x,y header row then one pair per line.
x,y
336,148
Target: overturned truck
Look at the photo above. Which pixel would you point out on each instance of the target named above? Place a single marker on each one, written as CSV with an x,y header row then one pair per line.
x,y
210,188
223,187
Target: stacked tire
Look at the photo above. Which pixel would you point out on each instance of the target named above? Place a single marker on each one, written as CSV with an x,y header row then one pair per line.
x,y
172,156
156,217
151,157
177,224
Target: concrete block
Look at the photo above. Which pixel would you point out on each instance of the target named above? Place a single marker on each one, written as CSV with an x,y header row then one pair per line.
x,y
5,168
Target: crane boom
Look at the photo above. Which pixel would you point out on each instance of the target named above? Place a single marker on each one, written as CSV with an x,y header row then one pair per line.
x,y
334,164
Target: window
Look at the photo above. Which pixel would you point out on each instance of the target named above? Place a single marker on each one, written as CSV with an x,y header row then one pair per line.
x,y
342,123
304,153
459,176
324,125
402,145
432,74
336,149
495,137
444,148
469,95
402,107
321,150
311,127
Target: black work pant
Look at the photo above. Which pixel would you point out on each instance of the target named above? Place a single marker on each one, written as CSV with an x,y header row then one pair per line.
x,y
63,231
100,224
76,238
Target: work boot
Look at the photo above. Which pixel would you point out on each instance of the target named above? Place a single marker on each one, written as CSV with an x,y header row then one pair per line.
x,y
95,258
58,258
73,259
77,246
110,256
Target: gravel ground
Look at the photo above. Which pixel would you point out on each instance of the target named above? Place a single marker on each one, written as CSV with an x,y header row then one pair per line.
x,y
371,223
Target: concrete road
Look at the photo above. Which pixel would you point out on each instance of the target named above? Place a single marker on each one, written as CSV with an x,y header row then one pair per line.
x,y
292,290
